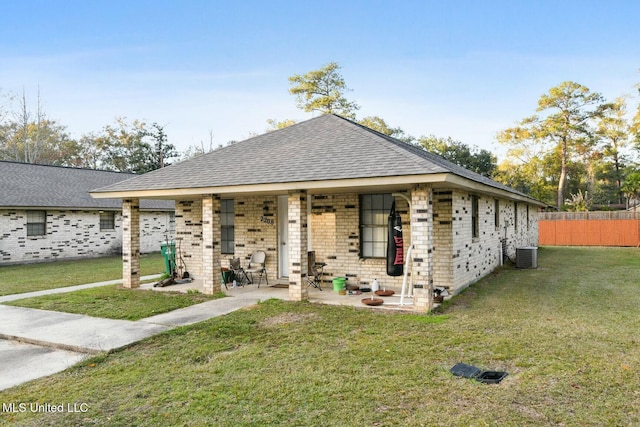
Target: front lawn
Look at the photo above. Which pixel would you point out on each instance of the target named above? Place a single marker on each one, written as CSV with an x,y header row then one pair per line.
x,y
115,302
567,334
17,279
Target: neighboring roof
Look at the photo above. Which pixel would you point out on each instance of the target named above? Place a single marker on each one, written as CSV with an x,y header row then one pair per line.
x,y
324,148
43,186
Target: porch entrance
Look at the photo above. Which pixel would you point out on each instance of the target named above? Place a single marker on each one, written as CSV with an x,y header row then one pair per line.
x,y
283,236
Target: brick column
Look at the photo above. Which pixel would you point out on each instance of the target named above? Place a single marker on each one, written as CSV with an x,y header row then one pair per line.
x,y
131,243
211,244
298,246
422,240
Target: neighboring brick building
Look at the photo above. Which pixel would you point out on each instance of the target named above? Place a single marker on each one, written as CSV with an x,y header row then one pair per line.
x,y
46,213
327,185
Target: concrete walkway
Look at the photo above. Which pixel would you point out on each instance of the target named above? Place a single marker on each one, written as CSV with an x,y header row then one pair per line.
x,y
14,297
36,343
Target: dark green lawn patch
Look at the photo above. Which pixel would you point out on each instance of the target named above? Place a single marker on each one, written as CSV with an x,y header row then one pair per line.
x,y
114,302
567,334
17,279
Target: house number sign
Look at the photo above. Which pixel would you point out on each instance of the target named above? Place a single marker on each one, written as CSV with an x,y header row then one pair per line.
x,y
267,220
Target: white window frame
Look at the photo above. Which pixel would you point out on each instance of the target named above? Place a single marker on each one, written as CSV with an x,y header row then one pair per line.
x,y
107,221
36,223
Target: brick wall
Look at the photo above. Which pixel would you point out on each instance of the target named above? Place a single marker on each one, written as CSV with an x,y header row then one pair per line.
x,y
474,258
335,231
526,233
73,234
155,229
189,235
443,239
256,229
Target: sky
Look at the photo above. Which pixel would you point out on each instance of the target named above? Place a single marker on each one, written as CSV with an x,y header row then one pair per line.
x,y
459,69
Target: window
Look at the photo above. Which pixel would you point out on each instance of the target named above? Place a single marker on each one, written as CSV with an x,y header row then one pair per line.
x,y
226,223
36,223
107,221
475,220
374,213
527,217
496,213
515,216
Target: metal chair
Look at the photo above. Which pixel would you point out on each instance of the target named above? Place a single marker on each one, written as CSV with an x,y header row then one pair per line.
x,y
257,265
239,275
315,270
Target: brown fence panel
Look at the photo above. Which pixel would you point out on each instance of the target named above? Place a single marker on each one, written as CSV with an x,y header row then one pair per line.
x,y
589,232
547,232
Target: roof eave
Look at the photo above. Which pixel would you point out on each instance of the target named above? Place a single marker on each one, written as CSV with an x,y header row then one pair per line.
x,y
79,208
274,188
357,184
467,184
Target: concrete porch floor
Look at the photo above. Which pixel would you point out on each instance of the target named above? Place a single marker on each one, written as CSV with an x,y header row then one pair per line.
x,y
280,291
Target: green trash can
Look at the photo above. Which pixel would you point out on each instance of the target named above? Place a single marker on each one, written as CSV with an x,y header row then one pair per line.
x,y
226,276
168,251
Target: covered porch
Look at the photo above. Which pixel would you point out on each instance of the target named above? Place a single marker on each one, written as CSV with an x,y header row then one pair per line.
x,y
286,227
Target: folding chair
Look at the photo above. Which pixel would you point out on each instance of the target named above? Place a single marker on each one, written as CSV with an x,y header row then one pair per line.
x,y
239,275
257,265
315,270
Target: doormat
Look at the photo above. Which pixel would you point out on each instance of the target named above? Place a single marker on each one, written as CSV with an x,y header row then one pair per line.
x,y
281,286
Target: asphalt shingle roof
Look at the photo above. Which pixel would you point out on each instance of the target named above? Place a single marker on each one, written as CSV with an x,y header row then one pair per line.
x,y
327,147
29,185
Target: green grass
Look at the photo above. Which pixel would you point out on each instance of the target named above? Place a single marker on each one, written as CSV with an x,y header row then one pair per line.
x,y
115,302
567,334
17,279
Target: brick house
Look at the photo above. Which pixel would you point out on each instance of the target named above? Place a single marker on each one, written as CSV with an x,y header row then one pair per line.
x,y
46,213
326,185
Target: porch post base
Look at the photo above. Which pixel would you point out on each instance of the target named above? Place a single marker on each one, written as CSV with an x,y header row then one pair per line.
x,y
297,293
423,300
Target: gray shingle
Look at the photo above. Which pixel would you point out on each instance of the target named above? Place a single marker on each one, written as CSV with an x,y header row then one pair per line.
x,y
323,148
29,185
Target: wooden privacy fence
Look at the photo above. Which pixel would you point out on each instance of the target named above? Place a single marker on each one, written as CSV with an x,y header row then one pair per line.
x,y
617,228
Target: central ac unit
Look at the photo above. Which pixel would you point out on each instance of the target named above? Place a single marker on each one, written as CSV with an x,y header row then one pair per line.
x,y
527,257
